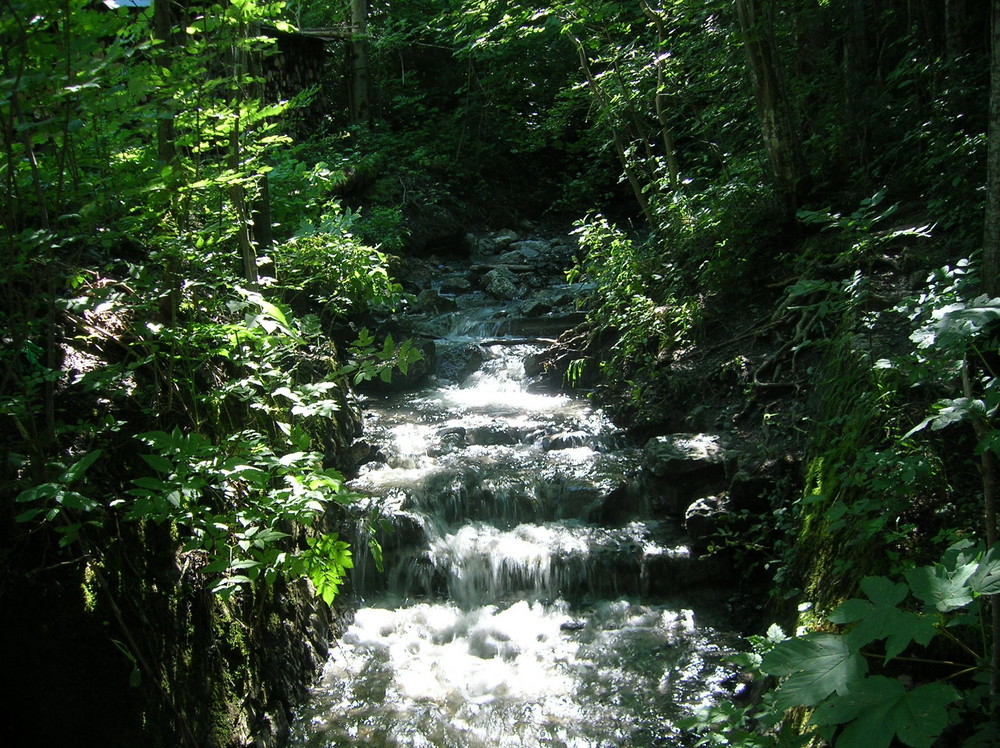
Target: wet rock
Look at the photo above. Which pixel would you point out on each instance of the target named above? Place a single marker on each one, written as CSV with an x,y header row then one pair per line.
x,y
502,283
531,248
456,362
567,497
535,308
430,300
565,440
621,505
547,325
534,364
749,491
752,487
525,253
704,519
679,454
496,242
493,434
676,571
505,237
363,451
679,468
456,285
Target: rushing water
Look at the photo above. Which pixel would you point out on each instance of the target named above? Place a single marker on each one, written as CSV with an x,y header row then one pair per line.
x,y
515,608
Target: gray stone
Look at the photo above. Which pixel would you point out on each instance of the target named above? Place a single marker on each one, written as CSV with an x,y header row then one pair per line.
x,y
531,248
456,285
565,440
679,454
503,239
429,300
535,308
456,362
502,283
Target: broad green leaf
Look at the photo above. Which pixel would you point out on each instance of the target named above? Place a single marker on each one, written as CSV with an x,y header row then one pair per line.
x,y
881,619
814,666
44,491
986,579
941,588
879,709
80,467
159,463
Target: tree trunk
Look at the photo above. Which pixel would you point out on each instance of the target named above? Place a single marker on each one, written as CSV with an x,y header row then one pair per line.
x,y
991,226
164,20
620,146
359,61
784,153
661,95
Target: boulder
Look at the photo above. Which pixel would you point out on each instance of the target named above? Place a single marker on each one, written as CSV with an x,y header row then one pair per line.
x,y
531,248
680,454
679,468
566,440
456,285
457,361
535,308
451,439
501,283
429,300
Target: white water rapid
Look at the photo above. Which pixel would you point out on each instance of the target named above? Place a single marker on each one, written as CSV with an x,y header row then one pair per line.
x,y
516,606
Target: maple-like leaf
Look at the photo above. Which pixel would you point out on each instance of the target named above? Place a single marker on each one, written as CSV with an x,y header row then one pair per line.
x,y
879,709
880,618
813,667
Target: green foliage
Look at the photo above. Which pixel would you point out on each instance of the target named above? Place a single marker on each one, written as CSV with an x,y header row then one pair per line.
x,y
863,230
897,626
142,161
325,562
335,269
368,361
631,296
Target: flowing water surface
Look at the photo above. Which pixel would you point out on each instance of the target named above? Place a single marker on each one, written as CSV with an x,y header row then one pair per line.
x,y
515,607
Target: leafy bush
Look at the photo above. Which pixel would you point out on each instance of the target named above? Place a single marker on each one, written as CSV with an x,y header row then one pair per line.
x,y
631,296
333,268
931,622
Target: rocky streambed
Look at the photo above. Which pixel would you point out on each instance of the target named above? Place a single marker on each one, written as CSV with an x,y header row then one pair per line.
x,y
544,581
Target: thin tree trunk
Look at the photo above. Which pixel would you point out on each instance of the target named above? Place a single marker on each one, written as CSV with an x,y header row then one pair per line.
x,y
359,61
619,142
659,99
164,21
991,227
784,152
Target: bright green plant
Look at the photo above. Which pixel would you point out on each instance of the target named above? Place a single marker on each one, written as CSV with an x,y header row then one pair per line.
x,y
335,269
239,494
631,296
366,361
898,629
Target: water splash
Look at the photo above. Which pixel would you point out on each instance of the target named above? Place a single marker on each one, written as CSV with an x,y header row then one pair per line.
x,y
511,613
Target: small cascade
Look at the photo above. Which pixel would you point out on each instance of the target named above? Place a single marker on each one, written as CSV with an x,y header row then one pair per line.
x,y
528,597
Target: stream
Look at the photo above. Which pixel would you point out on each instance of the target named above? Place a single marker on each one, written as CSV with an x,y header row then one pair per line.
x,y
529,594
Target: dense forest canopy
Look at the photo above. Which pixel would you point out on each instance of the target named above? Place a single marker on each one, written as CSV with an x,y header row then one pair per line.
x,y
204,208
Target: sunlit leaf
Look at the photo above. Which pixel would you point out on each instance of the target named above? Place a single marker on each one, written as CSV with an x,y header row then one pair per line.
x,y
813,667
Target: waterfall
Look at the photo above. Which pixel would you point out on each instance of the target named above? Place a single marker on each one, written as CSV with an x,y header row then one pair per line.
x,y
511,610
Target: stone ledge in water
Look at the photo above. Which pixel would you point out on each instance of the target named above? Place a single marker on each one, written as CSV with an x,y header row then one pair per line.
x,y
680,454
670,573
566,440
